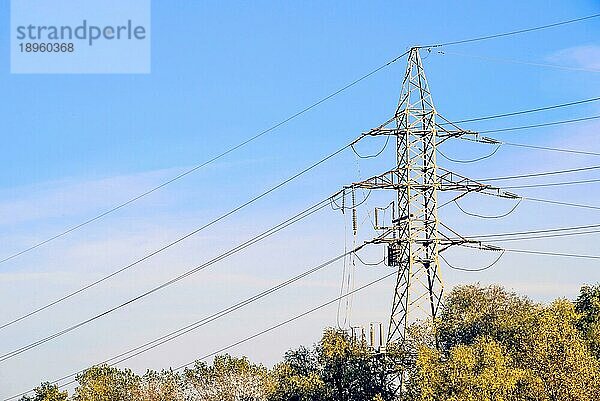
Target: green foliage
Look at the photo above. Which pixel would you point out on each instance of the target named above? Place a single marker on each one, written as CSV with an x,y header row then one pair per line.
x,y
588,307
298,378
557,353
47,392
472,312
349,371
228,379
161,386
105,383
497,346
337,369
290,385
488,345
480,371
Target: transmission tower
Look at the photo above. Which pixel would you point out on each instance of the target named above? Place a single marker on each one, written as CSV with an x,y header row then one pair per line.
x,y
414,237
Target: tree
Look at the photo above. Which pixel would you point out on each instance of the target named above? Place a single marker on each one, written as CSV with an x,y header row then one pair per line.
x,y
298,377
480,371
557,353
337,369
161,386
588,307
105,383
471,312
487,345
349,370
289,385
228,379
498,346
47,392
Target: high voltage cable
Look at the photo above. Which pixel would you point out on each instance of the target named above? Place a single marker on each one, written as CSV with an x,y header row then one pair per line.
x,y
524,145
481,216
522,127
206,226
535,234
552,184
571,204
541,231
305,213
256,198
308,312
505,60
517,32
520,112
479,269
523,251
246,339
566,255
180,239
531,252
202,322
541,174
540,200
209,161
478,159
558,235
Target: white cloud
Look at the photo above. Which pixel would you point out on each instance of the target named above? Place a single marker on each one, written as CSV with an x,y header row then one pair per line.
x,y
13,278
587,56
68,197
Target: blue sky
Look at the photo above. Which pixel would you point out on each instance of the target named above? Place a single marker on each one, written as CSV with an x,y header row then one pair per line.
x,y
74,145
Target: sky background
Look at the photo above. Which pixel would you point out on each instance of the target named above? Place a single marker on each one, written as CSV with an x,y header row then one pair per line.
x,y
76,145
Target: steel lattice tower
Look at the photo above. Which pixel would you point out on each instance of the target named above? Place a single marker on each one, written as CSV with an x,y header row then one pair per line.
x,y
415,252
414,240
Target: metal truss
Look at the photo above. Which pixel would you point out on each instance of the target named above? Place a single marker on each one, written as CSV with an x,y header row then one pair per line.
x,y
414,238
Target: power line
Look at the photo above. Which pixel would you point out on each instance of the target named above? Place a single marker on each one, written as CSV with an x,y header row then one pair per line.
x,y
536,234
561,235
289,320
479,269
523,127
579,205
522,145
528,111
536,64
552,184
523,251
305,213
510,33
566,255
540,200
202,322
246,339
531,252
180,239
478,159
201,228
542,231
541,174
481,216
387,140
207,162
549,201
